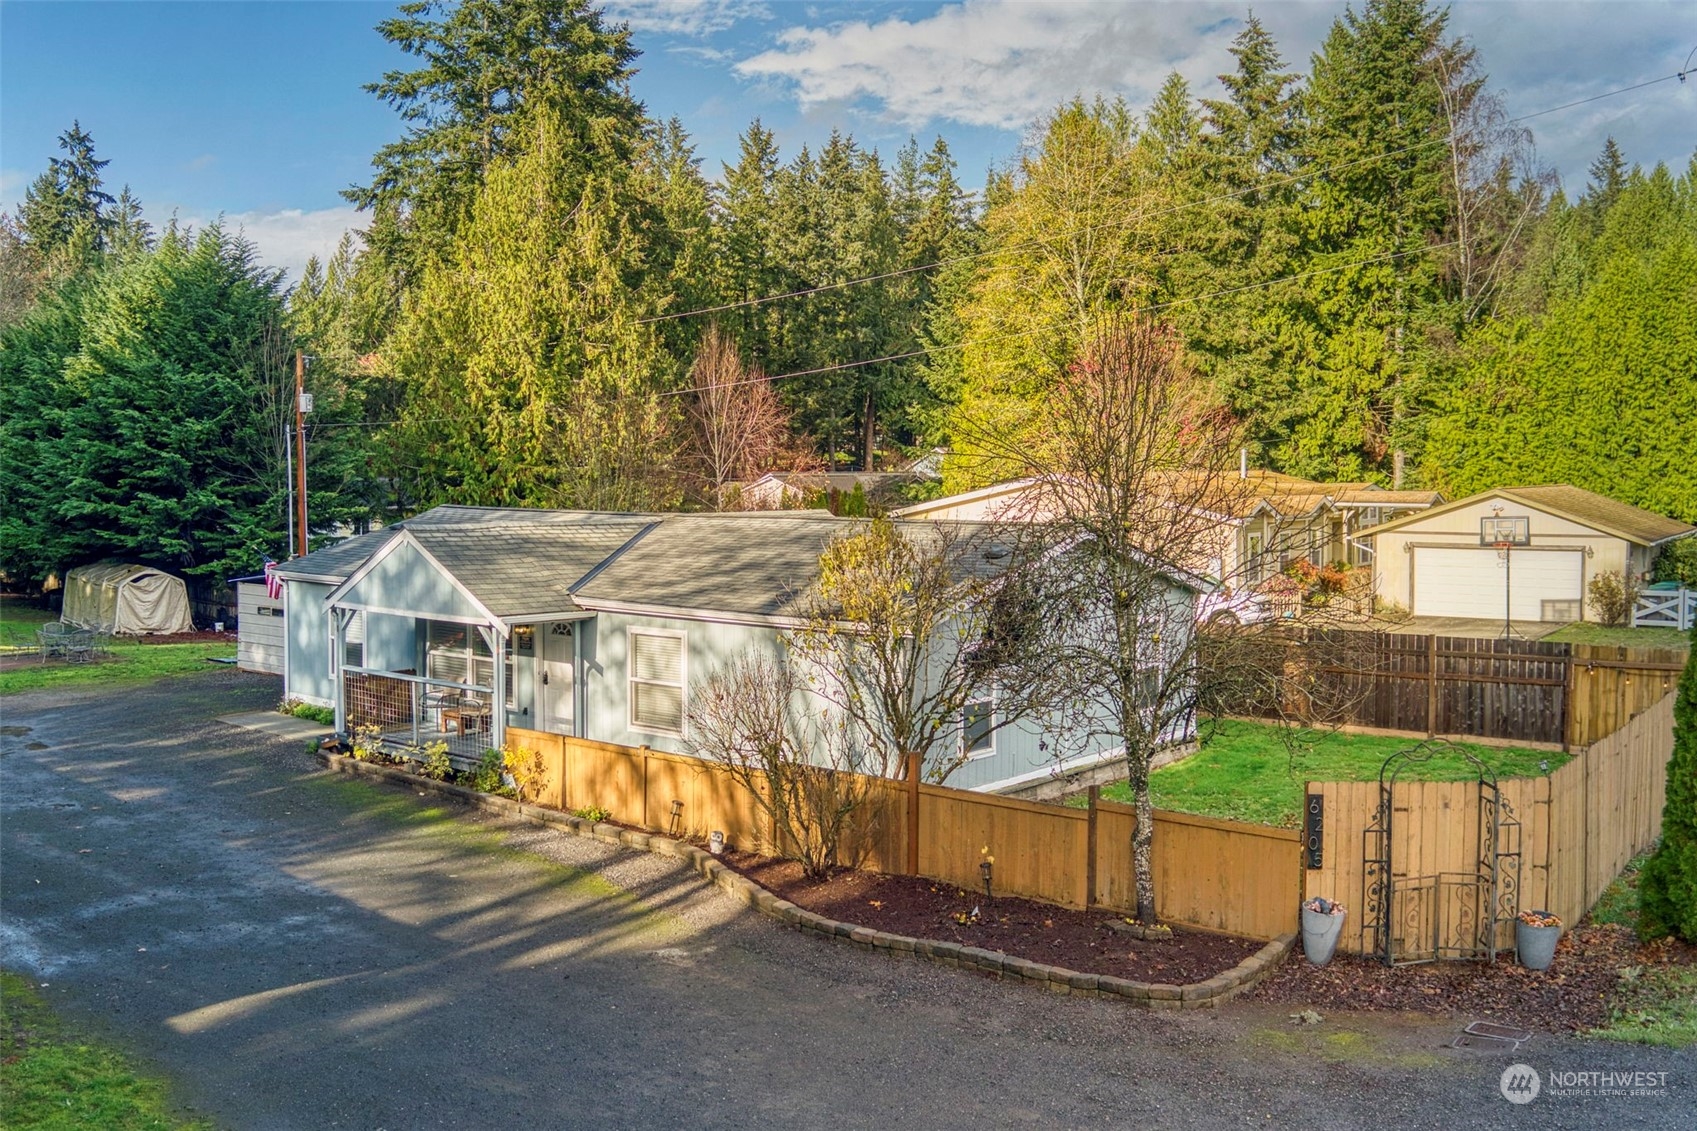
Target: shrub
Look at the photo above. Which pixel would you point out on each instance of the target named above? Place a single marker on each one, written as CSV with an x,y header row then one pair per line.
x,y
490,775
1678,562
1667,891
1612,595
529,773
436,766
593,813
368,743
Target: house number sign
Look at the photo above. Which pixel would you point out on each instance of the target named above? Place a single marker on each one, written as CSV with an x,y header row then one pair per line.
x,y
1313,828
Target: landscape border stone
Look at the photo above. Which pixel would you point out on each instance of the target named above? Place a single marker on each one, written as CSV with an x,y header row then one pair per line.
x,y
1153,995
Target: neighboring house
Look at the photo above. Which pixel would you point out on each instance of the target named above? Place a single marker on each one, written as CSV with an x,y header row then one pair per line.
x,y
1441,563
1272,521
462,622
791,490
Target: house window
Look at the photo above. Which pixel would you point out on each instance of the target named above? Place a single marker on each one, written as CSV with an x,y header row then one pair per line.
x,y
977,739
353,641
456,653
656,681
1257,560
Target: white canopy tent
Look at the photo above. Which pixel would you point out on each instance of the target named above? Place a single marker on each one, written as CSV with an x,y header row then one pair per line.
x,y
126,600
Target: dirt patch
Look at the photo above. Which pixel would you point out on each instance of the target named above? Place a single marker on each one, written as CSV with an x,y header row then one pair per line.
x,y
1573,994
922,908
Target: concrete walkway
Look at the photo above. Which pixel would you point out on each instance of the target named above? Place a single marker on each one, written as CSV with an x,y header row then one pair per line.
x,y
278,725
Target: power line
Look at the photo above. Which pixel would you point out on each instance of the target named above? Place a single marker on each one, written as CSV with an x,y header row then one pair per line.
x,y
1139,217
1388,257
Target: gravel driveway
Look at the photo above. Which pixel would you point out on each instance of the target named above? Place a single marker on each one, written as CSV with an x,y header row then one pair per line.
x,y
297,950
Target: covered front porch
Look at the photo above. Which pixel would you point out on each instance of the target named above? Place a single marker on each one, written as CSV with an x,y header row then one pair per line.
x,y
420,657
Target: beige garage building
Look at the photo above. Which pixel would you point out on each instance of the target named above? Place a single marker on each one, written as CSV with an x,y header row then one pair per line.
x,y
1438,562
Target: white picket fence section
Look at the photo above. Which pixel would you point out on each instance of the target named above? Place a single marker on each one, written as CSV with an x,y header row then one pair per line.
x,y
1665,608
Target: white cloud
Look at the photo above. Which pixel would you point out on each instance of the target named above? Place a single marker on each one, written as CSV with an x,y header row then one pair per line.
x,y
288,238
998,63
1004,63
684,17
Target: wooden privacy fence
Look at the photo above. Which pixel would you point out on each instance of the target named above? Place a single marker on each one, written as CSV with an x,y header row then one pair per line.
x,y
1520,690
1579,826
1218,875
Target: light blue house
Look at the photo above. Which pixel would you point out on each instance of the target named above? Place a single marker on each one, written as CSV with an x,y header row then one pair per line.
x,y
463,622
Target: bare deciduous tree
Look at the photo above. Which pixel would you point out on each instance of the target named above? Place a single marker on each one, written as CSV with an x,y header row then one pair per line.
x,y
748,717
1136,462
739,427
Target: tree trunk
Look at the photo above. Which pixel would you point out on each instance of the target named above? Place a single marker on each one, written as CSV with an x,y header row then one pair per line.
x,y
870,438
1142,844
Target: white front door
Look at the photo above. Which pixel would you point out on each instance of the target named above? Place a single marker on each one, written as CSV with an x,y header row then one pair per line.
x,y
555,692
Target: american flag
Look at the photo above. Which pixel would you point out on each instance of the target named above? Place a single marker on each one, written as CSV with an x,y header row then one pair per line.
x,y
273,583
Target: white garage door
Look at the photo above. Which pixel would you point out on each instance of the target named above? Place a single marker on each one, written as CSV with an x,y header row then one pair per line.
x,y
1473,582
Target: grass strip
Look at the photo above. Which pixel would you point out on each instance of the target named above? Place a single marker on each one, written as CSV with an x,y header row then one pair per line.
x,y
55,1081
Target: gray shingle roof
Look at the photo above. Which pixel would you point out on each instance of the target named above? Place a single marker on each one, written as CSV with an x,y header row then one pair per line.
x,y
517,570
756,565
336,562
534,563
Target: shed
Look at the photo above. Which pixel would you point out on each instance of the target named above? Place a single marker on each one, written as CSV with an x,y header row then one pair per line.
x,y
261,626
126,600
1446,562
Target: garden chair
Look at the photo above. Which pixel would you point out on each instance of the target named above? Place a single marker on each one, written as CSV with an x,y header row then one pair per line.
x,y
53,640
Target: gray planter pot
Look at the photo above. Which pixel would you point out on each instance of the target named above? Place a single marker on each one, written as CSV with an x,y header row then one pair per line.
x,y
1536,946
1320,934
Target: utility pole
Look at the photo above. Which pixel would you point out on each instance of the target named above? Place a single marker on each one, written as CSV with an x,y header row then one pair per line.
x,y
301,410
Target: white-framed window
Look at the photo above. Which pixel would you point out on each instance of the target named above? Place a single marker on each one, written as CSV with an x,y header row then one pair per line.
x,y
977,738
457,653
353,641
1257,571
656,683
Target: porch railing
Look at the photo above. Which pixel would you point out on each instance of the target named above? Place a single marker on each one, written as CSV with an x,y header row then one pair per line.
x,y
414,710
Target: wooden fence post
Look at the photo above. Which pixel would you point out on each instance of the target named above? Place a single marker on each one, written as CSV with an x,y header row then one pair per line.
x,y
1568,680
1090,850
1431,685
915,764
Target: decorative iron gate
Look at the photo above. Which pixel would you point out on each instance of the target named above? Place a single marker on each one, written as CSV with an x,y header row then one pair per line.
x,y
1408,918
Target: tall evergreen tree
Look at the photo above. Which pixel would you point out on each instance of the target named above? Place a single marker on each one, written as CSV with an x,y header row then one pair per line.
x,y
68,204
487,64
132,419
530,380
1375,141
744,218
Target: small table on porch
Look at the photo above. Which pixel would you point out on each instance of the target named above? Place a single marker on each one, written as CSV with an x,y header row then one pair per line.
x,y
466,718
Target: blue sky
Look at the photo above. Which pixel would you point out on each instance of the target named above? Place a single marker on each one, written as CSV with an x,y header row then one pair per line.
x,y
254,110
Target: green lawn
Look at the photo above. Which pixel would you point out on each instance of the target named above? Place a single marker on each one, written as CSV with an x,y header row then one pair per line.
x,y
129,663
1247,772
54,1081
1584,632
18,622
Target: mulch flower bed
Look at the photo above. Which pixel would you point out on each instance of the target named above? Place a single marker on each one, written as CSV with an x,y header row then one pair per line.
x,y
1573,994
922,908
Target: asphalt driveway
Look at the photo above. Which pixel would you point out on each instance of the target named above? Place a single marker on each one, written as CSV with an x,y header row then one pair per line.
x,y
297,950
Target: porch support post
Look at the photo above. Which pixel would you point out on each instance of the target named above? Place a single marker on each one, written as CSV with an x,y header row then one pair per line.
x,y
497,642
339,620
